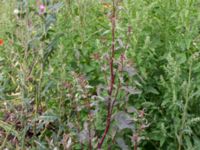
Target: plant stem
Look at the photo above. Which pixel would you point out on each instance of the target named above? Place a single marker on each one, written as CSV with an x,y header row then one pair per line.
x,y
135,145
112,78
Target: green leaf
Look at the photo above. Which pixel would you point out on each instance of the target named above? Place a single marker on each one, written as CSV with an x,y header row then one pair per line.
x,y
151,89
9,128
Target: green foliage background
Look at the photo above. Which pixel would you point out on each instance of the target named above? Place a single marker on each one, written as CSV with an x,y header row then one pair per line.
x,y
42,54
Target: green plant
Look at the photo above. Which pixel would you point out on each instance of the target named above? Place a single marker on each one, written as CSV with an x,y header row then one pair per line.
x,y
109,74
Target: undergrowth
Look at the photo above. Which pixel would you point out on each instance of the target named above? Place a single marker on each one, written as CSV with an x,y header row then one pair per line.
x,y
107,74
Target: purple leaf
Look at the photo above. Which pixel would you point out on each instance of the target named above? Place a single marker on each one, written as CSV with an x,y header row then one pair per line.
x,y
122,144
123,121
131,90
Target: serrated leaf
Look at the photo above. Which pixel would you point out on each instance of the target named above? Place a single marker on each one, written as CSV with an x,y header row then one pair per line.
x,y
9,128
131,109
56,6
131,90
124,121
130,70
50,20
121,143
152,90
83,135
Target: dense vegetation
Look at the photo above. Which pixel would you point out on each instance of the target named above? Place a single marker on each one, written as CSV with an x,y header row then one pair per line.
x,y
100,74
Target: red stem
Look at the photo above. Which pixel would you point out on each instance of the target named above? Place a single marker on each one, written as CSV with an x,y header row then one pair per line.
x,y
112,79
135,145
106,129
112,76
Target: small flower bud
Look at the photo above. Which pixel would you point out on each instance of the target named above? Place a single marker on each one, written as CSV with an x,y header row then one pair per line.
x,y
42,9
